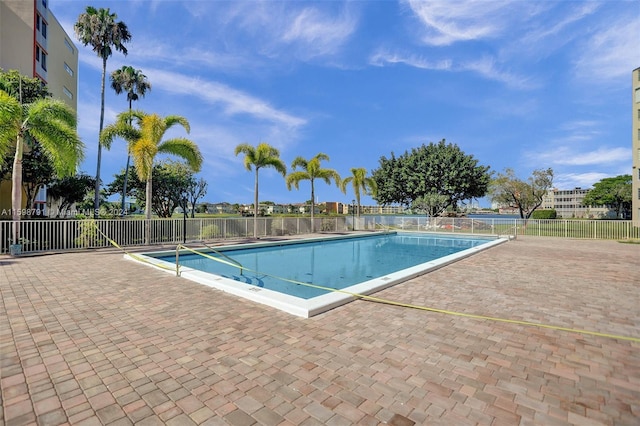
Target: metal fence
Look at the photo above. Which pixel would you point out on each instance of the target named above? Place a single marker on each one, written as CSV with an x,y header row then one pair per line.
x,y
70,234
586,229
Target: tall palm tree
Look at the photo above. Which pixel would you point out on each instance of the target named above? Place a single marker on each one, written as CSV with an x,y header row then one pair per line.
x,y
145,142
258,157
98,27
128,79
311,170
53,124
359,182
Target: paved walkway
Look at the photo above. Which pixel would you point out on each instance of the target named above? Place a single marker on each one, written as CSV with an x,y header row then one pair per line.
x,y
88,338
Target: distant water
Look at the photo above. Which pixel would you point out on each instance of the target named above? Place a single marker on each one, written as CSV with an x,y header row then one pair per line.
x,y
473,216
494,216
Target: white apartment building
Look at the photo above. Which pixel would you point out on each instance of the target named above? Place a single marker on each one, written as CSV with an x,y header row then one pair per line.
x,y
568,204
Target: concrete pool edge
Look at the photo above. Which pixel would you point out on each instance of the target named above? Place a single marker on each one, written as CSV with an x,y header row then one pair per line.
x,y
307,308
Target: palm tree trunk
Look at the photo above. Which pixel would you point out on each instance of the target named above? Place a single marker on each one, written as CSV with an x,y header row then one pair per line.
x,y
126,173
124,185
147,210
96,197
255,207
313,205
16,189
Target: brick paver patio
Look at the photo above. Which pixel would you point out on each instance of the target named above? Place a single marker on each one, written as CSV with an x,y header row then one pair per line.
x,y
89,338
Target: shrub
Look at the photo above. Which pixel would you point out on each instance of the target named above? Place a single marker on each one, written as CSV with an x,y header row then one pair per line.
x,y
210,231
88,235
544,214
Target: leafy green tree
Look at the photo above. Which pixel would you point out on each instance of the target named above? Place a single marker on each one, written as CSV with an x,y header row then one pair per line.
x,y
53,124
70,190
135,83
25,89
508,190
435,168
37,171
133,186
432,203
359,182
86,205
98,28
145,142
311,170
195,189
170,182
615,192
258,157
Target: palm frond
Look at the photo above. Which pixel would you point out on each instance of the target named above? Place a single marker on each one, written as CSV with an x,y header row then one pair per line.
x,y
10,119
185,149
172,120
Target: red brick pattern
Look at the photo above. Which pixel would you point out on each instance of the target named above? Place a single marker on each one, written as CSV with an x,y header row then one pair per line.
x,y
88,338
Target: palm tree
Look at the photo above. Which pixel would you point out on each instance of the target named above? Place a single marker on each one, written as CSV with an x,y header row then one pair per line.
x,y
359,181
145,142
98,27
128,79
263,155
53,124
311,170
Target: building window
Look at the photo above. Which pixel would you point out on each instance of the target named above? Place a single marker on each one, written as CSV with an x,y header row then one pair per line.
x,y
67,92
38,19
44,29
638,95
43,61
69,45
37,53
44,3
68,69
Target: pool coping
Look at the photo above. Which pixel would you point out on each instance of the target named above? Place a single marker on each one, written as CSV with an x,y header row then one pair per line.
x,y
307,308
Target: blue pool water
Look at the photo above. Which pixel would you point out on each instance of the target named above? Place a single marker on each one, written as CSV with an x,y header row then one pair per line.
x,y
330,263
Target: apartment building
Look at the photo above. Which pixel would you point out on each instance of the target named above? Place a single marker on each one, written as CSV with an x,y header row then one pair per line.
x,y
33,42
635,144
568,204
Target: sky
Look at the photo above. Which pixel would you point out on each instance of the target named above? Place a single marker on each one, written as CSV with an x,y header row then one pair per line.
x,y
516,84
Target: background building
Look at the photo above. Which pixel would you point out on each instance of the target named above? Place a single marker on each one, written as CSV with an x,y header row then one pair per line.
x,y
568,204
635,138
33,42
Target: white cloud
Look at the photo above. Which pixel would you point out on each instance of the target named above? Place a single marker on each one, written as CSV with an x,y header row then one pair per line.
x,y
568,156
578,180
449,22
231,100
382,57
285,30
485,66
549,28
317,33
612,51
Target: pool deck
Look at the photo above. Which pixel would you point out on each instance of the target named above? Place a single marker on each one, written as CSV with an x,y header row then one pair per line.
x,y
88,338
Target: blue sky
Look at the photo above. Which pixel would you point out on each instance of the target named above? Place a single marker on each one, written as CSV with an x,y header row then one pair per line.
x,y
518,84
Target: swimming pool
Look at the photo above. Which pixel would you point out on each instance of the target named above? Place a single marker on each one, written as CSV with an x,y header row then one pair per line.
x,y
274,273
